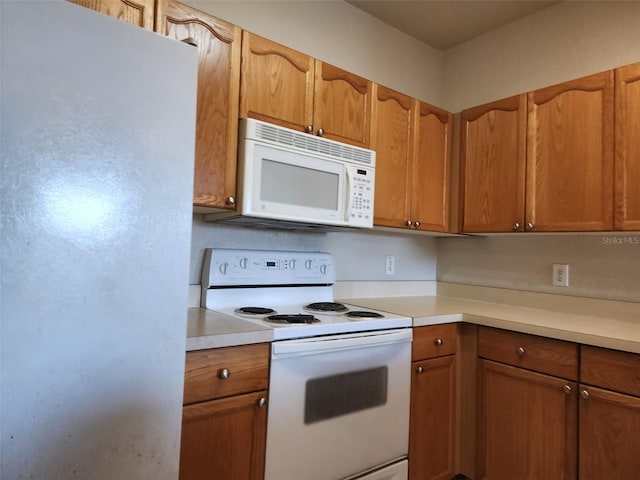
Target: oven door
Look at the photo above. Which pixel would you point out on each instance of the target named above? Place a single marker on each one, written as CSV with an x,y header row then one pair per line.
x,y
289,185
338,405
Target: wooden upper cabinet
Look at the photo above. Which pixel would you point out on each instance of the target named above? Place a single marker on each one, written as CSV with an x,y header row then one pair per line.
x,y
570,156
137,12
392,140
627,149
493,166
277,83
430,168
342,105
218,45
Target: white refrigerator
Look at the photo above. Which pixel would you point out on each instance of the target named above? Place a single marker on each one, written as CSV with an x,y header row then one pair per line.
x,y
96,178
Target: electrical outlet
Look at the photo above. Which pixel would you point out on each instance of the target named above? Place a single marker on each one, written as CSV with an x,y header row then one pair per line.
x,y
390,265
560,275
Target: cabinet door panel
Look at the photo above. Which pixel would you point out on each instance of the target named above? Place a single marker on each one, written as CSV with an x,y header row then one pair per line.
x,y
277,83
218,44
433,419
430,168
609,436
392,140
342,105
570,156
527,425
493,159
136,12
224,439
627,135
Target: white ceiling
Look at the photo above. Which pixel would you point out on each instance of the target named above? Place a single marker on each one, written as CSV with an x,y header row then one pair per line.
x,y
444,24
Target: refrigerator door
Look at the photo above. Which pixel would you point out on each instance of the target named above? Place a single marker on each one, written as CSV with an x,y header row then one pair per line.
x,y
96,179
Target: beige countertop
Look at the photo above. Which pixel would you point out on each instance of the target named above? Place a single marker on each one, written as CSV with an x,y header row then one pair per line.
x,y
209,329
603,323
621,332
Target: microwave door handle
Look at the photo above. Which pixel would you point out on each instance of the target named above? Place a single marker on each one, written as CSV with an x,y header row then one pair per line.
x,y
349,186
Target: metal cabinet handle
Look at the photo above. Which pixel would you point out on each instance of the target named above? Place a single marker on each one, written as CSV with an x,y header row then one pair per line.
x,y
420,370
231,201
520,351
438,341
515,227
584,394
408,223
224,373
308,129
417,224
262,402
529,226
321,132
567,389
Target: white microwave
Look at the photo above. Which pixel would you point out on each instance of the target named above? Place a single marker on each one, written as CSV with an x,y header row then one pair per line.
x,y
291,179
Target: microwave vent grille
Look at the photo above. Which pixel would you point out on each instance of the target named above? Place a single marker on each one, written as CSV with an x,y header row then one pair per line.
x,y
311,143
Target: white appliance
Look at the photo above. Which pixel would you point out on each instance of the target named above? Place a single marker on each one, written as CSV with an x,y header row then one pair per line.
x,y
339,387
96,181
291,179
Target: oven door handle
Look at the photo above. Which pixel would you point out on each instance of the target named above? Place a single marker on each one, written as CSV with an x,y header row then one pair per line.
x,y
317,345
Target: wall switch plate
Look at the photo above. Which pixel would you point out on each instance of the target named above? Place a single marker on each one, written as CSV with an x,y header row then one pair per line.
x,y
390,265
560,275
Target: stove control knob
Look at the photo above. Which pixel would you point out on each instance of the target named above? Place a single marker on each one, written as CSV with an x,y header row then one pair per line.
x,y
223,268
292,264
323,269
307,264
243,263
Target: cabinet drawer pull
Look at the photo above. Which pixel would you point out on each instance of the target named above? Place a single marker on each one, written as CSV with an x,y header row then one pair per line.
x,y
420,370
515,227
520,351
262,402
438,342
417,224
529,226
584,394
408,223
567,389
231,201
321,132
224,373
308,129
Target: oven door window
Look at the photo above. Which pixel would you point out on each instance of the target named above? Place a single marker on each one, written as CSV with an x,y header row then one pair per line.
x,y
336,395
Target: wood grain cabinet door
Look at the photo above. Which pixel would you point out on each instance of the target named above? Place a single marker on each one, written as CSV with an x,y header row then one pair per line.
x,y
224,439
433,419
430,168
627,150
570,156
136,12
218,45
342,105
493,166
276,83
392,140
527,425
609,435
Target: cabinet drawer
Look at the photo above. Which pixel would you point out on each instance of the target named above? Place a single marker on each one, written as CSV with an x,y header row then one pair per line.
x,y
610,369
434,341
540,354
246,369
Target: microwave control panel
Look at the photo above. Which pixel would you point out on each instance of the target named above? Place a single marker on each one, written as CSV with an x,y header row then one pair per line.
x,y
361,192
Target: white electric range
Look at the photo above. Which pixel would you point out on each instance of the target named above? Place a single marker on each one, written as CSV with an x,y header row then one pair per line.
x,y
339,375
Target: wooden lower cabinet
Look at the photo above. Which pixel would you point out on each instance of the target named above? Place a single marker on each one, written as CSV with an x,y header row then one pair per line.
x,y
527,424
433,403
432,436
609,435
224,438
224,419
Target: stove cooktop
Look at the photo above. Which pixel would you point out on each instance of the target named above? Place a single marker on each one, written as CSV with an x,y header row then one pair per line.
x,y
290,292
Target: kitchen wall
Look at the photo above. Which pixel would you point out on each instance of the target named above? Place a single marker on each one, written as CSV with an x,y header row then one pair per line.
x,y
566,41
